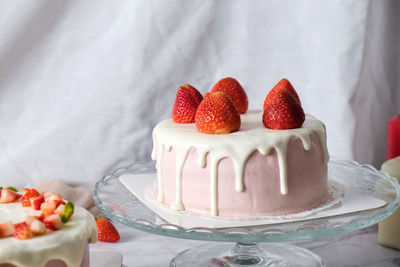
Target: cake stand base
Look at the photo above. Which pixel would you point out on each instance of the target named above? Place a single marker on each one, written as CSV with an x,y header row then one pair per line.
x,y
247,254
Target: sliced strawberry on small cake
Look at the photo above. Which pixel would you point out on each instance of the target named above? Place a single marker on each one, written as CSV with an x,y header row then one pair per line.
x,y
55,198
8,196
22,231
53,222
284,112
36,202
234,90
60,209
48,208
217,114
187,100
27,194
37,227
282,85
7,229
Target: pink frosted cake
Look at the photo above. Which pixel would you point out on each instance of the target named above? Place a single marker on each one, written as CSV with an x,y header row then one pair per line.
x,y
249,171
30,239
252,172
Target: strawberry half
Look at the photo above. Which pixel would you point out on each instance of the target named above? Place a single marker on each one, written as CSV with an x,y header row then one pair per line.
x,y
284,112
106,232
283,84
232,88
186,102
217,114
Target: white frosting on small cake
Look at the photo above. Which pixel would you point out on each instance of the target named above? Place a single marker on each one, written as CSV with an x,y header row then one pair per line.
x,y
237,146
67,244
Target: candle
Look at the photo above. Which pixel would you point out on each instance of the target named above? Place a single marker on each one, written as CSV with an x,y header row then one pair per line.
x,y
389,229
393,138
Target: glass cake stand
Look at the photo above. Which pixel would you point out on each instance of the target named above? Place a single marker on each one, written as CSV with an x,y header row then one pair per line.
x,y
117,203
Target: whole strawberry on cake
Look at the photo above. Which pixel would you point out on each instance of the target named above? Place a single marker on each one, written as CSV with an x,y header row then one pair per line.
x,y
217,158
41,229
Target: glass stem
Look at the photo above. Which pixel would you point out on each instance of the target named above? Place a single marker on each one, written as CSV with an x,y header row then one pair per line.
x,y
246,254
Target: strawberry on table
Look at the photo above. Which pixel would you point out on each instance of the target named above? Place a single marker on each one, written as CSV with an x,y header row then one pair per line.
x,y
284,112
232,88
22,231
106,232
283,84
187,100
217,114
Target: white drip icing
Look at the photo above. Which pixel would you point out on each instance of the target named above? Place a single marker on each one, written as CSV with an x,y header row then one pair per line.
x,y
238,146
160,194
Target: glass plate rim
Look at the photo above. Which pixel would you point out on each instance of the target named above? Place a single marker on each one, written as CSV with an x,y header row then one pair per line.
x,y
246,234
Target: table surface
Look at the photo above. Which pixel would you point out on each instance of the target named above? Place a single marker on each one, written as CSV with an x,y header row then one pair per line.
x,y
359,248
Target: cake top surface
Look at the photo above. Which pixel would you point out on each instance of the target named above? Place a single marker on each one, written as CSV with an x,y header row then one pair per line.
x,y
66,244
251,135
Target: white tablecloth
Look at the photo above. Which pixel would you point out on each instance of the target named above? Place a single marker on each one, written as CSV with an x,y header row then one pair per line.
x,y
359,248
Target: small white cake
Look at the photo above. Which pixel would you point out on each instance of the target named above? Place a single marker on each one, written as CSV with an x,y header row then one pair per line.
x,y
67,246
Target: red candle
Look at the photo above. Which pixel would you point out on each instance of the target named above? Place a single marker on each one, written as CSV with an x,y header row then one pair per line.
x,y
393,138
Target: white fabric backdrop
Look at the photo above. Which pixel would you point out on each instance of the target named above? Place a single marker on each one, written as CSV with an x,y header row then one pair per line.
x,y
82,83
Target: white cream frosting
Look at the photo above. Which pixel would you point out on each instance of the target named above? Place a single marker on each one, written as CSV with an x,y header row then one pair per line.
x,y
67,244
238,146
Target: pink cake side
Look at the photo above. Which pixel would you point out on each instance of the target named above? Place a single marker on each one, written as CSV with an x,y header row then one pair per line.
x,y
306,177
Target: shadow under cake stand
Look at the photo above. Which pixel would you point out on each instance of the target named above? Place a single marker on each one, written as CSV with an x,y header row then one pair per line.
x,y
117,203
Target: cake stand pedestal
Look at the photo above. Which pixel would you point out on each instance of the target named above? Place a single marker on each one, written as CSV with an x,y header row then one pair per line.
x,y
247,254
117,203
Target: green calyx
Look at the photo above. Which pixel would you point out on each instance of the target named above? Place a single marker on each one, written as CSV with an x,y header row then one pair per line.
x,y
12,188
68,211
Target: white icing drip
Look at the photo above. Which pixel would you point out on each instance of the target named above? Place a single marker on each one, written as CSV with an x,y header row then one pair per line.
x,y
306,140
160,193
180,161
281,154
239,170
202,154
67,244
238,146
214,187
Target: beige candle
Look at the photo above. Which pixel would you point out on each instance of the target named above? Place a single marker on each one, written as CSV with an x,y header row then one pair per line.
x,y
389,229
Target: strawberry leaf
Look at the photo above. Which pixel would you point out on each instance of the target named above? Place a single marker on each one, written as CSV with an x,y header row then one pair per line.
x,y
12,188
68,211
